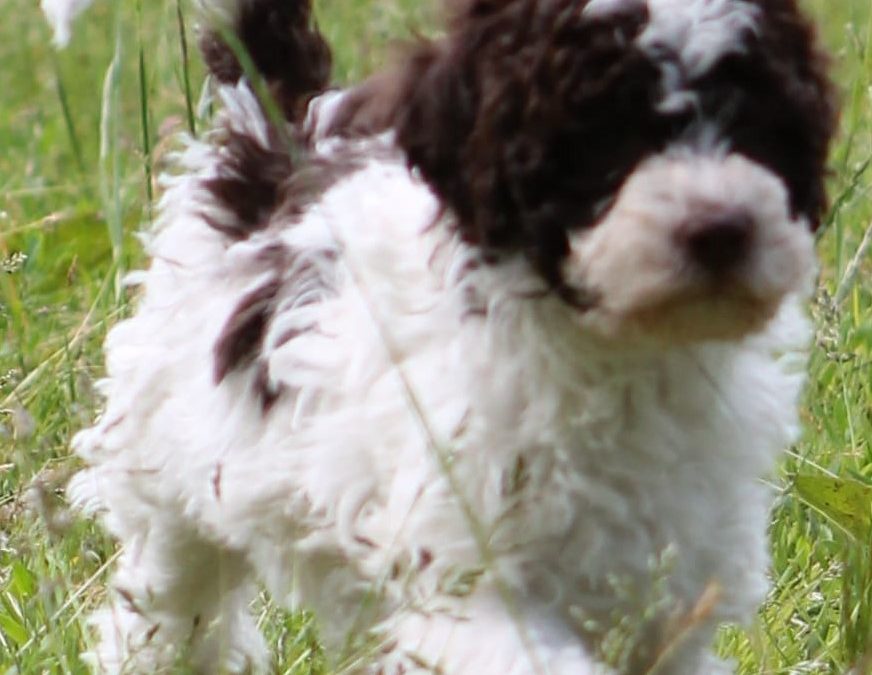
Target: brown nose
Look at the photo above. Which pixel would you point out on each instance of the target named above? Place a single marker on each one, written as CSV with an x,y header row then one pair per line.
x,y
721,243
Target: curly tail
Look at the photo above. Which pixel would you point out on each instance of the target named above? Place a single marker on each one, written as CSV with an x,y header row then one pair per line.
x,y
282,41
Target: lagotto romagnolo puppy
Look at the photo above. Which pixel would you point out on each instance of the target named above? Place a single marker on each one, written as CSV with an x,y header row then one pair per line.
x,y
482,360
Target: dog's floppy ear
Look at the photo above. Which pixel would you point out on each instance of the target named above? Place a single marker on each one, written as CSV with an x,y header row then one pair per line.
x,y
431,100
434,118
793,72
493,116
449,99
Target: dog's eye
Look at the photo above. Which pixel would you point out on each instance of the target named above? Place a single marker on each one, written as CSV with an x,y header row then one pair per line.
x,y
759,111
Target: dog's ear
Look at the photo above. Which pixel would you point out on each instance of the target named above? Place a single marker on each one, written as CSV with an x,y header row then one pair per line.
x,y
493,115
789,47
435,115
453,94
775,103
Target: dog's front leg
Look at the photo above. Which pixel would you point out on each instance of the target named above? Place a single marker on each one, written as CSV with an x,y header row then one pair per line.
x,y
178,602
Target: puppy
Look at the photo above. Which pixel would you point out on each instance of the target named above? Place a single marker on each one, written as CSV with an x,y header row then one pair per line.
x,y
483,359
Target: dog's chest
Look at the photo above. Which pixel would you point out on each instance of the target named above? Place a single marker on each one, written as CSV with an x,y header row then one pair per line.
x,y
460,443
440,429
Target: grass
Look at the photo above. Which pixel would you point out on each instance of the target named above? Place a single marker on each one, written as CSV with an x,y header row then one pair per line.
x,y
82,133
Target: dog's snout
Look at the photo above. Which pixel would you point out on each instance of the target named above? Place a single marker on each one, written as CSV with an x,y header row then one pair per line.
x,y
720,243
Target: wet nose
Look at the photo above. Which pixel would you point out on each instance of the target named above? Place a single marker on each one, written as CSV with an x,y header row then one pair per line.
x,y
720,243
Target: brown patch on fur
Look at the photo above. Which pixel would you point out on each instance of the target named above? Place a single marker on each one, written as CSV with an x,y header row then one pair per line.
x,y
151,632
242,335
312,180
268,393
369,108
775,104
285,46
363,541
426,558
241,342
258,187
252,179
129,600
247,184
216,481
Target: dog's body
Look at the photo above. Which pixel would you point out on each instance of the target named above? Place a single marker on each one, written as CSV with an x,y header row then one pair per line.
x,y
478,410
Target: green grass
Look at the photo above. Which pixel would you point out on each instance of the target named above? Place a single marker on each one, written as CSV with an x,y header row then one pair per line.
x,y
83,132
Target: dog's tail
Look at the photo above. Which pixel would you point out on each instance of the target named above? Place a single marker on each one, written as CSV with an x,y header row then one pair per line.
x,y
281,40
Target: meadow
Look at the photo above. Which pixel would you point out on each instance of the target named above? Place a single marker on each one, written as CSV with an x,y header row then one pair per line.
x,y
83,134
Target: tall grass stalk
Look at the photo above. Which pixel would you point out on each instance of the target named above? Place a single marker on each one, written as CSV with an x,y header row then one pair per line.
x,y
144,115
72,134
186,69
110,153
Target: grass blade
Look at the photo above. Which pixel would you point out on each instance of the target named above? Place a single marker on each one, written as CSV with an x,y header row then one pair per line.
x,y
64,100
110,160
148,163
186,70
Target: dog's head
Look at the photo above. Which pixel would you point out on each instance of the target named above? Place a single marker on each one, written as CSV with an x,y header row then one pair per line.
x,y
659,163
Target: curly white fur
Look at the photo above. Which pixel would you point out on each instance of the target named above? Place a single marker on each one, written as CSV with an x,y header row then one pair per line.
x,y
460,478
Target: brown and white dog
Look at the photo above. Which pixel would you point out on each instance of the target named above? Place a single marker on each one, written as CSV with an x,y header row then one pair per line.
x,y
483,359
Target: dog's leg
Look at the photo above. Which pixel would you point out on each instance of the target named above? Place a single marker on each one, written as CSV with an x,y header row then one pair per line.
x,y
485,638
178,599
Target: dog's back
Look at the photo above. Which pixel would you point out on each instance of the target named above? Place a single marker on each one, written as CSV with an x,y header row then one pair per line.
x,y
370,371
